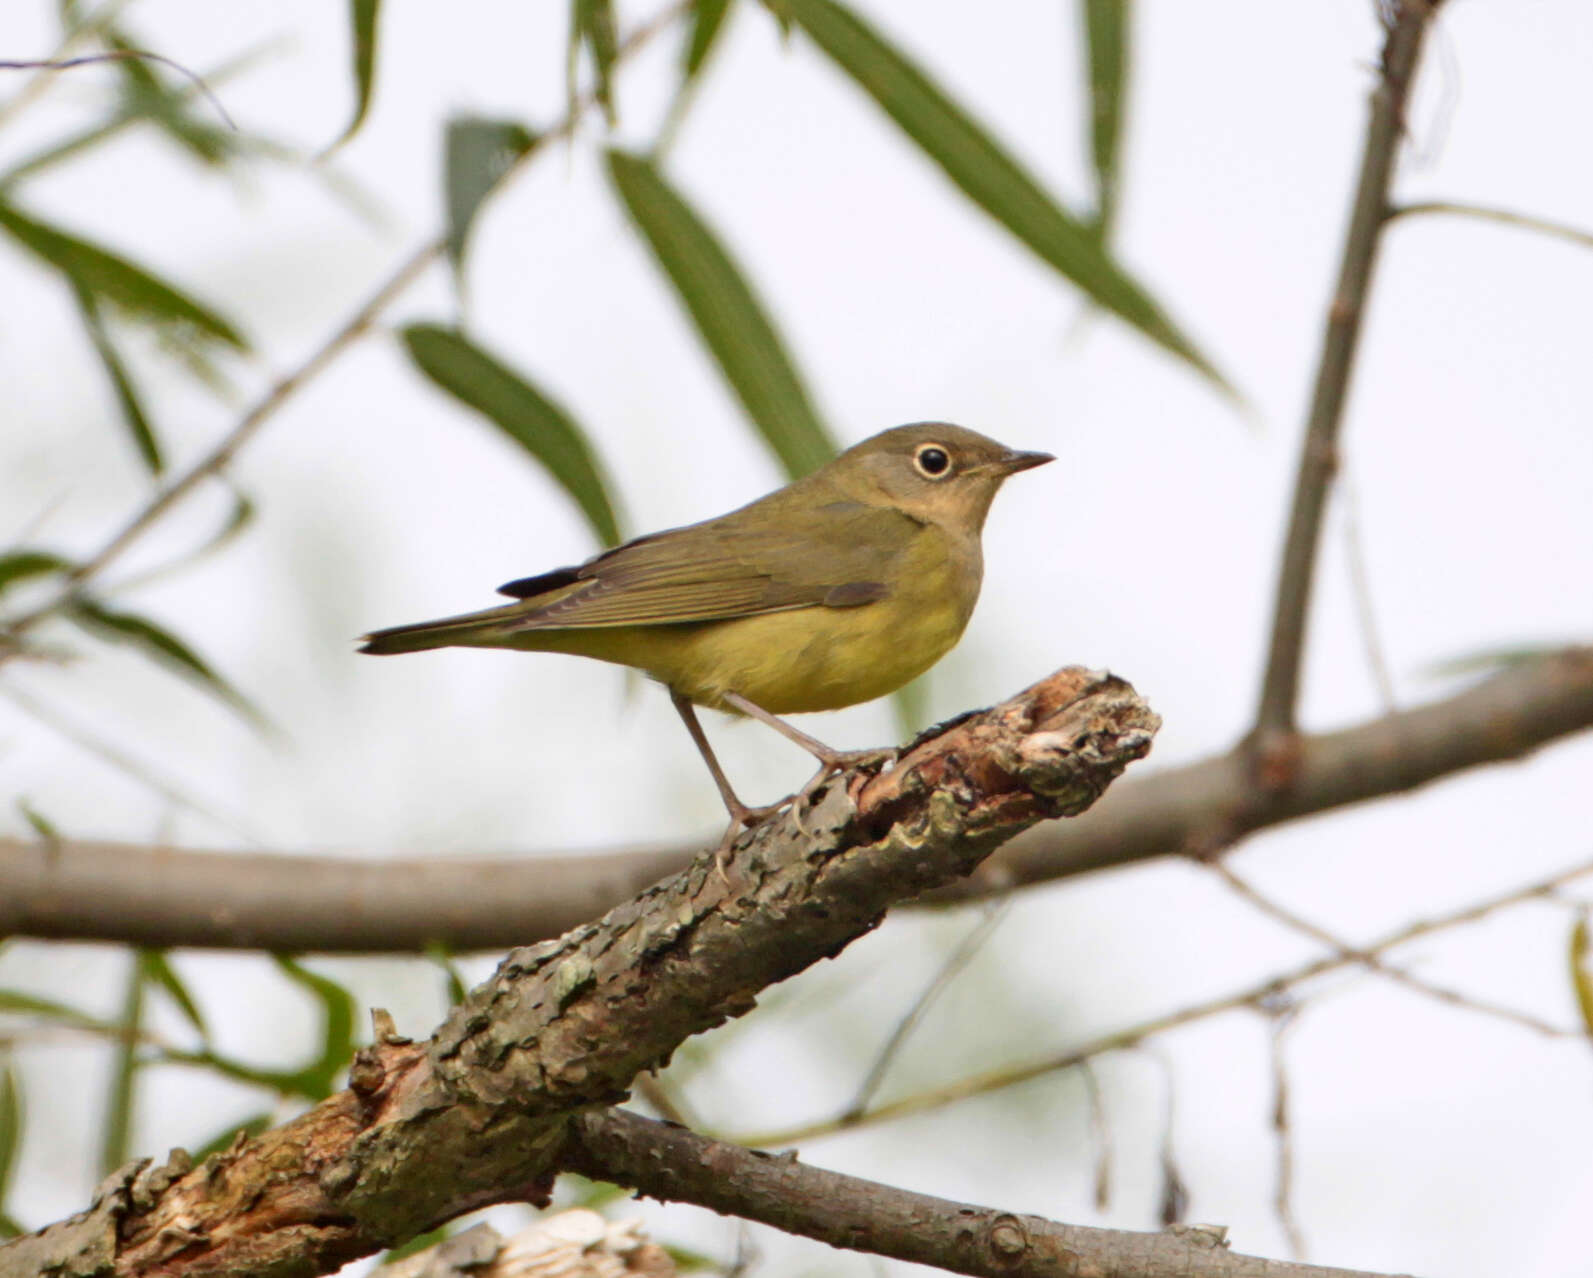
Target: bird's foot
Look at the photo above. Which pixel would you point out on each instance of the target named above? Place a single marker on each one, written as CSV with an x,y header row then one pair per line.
x,y
833,761
744,818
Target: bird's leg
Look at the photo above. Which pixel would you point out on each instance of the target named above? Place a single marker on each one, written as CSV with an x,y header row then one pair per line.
x,y
740,814
830,760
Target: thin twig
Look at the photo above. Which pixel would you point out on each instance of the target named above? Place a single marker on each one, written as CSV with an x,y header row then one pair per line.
x,y
122,55
355,327
953,967
1283,1133
1275,714
1120,1040
1101,1132
1504,217
1372,961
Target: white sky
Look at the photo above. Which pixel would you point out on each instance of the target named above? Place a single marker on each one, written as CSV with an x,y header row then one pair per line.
x,y
1428,1139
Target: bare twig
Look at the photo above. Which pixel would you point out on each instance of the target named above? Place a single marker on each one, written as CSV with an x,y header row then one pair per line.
x,y
1275,714
1255,995
845,1211
953,967
1283,1133
121,55
1372,961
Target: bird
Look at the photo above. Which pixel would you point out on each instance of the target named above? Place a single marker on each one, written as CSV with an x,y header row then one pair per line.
x,y
838,588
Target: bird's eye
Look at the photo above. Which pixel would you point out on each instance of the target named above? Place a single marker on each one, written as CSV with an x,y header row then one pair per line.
x,y
932,461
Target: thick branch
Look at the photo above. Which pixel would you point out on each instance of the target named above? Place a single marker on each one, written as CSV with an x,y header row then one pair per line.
x,y
167,896
1319,455
477,1114
672,1164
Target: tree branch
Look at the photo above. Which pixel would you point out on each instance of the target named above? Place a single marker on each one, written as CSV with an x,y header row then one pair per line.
x,y
163,896
675,1165
478,1114
1280,686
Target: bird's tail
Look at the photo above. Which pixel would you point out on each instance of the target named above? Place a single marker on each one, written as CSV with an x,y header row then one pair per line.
x,y
473,629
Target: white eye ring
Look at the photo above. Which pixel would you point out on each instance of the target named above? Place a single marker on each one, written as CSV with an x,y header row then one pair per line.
x,y
933,461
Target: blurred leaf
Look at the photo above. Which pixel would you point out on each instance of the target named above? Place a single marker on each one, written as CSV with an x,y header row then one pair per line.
x,y
594,1195
418,1244
443,957
222,1140
20,565
728,315
476,155
362,16
115,280
1581,976
40,824
337,1039
159,971
525,414
33,1005
1490,660
707,21
10,1137
688,1261
115,1139
121,381
1107,26
146,96
157,642
592,24
238,518
911,703
987,174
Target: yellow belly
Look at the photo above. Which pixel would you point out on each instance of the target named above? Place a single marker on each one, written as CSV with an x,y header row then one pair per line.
x,y
793,662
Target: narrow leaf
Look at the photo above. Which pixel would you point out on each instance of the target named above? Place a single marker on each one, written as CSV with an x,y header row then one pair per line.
x,y
987,174
362,17
146,96
133,414
594,26
38,822
1581,976
116,1137
20,565
525,414
453,982
707,21
32,1005
157,642
159,971
115,280
10,1131
337,1037
476,155
1106,34
729,318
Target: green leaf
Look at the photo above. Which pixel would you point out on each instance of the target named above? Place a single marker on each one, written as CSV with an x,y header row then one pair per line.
x,y
157,642
32,1005
592,23
729,318
362,17
1490,660
454,984
38,822
337,1038
116,1137
911,702
987,174
114,280
222,1140
1107,27
133,414
525,414
10,1136
146,96
476,154
1581,976
159,971
707,21
20,565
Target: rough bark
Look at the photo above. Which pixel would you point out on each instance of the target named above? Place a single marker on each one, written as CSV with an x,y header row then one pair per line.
x,y
479,1113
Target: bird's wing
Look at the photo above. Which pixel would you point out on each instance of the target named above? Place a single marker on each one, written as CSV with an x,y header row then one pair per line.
x,y
728,567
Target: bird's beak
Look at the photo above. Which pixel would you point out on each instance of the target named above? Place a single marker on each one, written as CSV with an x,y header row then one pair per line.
x,y
1015,461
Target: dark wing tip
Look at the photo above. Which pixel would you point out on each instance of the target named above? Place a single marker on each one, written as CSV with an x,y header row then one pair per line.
x,y
855,593
531,587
